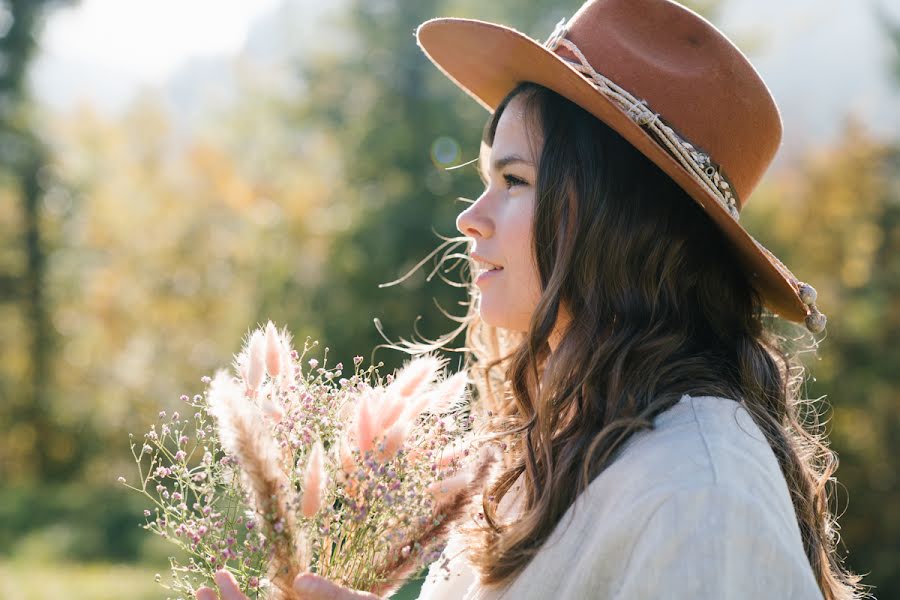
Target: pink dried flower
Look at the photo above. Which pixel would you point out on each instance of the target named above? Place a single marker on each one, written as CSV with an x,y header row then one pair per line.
x,y
451,506
256,364
365,426
417,406
313,481
449,393
348,464
242,365
415,376
273,350
244,435
392,409
393,440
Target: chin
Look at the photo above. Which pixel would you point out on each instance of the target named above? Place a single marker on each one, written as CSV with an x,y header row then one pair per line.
x,y
496,316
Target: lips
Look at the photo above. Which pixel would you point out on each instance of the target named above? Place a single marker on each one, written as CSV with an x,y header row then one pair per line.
x,y
485,265
486,275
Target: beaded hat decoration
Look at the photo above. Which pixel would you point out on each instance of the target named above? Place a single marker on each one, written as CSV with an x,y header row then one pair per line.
x,y
698,163
667,81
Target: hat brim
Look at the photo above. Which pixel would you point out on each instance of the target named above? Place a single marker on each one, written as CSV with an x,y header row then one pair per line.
x,y
487,61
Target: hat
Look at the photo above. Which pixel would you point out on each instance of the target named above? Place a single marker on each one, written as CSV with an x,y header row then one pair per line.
x,y
667,81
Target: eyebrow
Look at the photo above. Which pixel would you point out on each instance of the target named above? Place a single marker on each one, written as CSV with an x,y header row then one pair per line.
x,y
503,162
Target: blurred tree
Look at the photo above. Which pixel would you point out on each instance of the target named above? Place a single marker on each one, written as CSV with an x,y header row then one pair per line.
x,y
843,236
399,124
23,162
891,29
177,243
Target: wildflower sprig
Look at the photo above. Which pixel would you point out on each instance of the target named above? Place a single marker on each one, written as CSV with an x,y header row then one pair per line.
x,y
286,466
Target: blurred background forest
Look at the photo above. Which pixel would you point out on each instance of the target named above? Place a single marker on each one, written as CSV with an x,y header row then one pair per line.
x,y
292,158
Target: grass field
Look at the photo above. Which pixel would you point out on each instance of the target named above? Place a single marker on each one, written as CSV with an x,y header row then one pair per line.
x,y
77,581
23,580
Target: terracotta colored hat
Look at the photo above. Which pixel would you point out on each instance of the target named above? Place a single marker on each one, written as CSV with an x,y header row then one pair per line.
x,y
666,80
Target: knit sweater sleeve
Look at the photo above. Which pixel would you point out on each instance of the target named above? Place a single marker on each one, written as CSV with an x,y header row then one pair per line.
x,y
711,541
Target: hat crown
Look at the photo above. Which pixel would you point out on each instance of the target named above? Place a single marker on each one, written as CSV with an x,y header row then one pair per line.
x,y
688,72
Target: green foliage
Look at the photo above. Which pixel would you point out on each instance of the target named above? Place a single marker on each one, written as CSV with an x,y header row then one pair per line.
x,y
399,123
72,522
836,221
31,580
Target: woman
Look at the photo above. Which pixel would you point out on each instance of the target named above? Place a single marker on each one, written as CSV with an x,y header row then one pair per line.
x,y
656,445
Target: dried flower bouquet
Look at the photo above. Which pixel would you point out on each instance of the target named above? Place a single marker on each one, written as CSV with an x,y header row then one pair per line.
x,y
283,469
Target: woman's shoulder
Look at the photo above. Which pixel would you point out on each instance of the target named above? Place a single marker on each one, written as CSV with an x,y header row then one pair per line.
x,y
705,451
699,441
701,492
699,500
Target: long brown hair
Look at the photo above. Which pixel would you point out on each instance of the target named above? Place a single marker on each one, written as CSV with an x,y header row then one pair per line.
x,y
660,307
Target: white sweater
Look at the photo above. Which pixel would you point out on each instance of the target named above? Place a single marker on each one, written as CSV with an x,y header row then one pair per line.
x,y
696,508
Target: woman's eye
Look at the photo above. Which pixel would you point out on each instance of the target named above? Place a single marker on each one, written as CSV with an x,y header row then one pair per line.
x,y
512,180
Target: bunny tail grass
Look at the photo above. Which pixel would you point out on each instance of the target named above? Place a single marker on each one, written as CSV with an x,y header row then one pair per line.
x,y
398,568
245,436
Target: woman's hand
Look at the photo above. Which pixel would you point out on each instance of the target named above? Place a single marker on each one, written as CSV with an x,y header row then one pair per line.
x,y
307,585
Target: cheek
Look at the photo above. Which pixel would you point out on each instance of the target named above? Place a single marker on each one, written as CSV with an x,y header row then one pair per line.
x,y
520,248
510,300
522,260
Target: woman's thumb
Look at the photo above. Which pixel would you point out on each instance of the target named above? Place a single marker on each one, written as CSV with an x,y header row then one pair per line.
x,y
310,586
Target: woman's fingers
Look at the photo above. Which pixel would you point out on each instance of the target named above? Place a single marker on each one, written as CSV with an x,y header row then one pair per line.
x,y
228,587
307,585
313,587
206,593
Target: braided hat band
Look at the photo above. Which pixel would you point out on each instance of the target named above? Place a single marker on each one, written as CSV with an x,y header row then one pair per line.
x,y
698,163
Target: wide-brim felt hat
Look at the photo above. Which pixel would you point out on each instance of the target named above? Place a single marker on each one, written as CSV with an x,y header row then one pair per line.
x,y
666,80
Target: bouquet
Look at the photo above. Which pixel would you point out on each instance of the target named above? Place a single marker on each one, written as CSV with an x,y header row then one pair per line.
x,y
284,466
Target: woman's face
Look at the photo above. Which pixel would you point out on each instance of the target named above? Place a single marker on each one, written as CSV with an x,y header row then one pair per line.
x,y
500,222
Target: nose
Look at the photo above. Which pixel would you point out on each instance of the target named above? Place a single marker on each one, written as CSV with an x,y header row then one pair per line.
x,y
473,223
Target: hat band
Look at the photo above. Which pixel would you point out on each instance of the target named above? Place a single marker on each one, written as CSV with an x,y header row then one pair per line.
x,y
697,163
